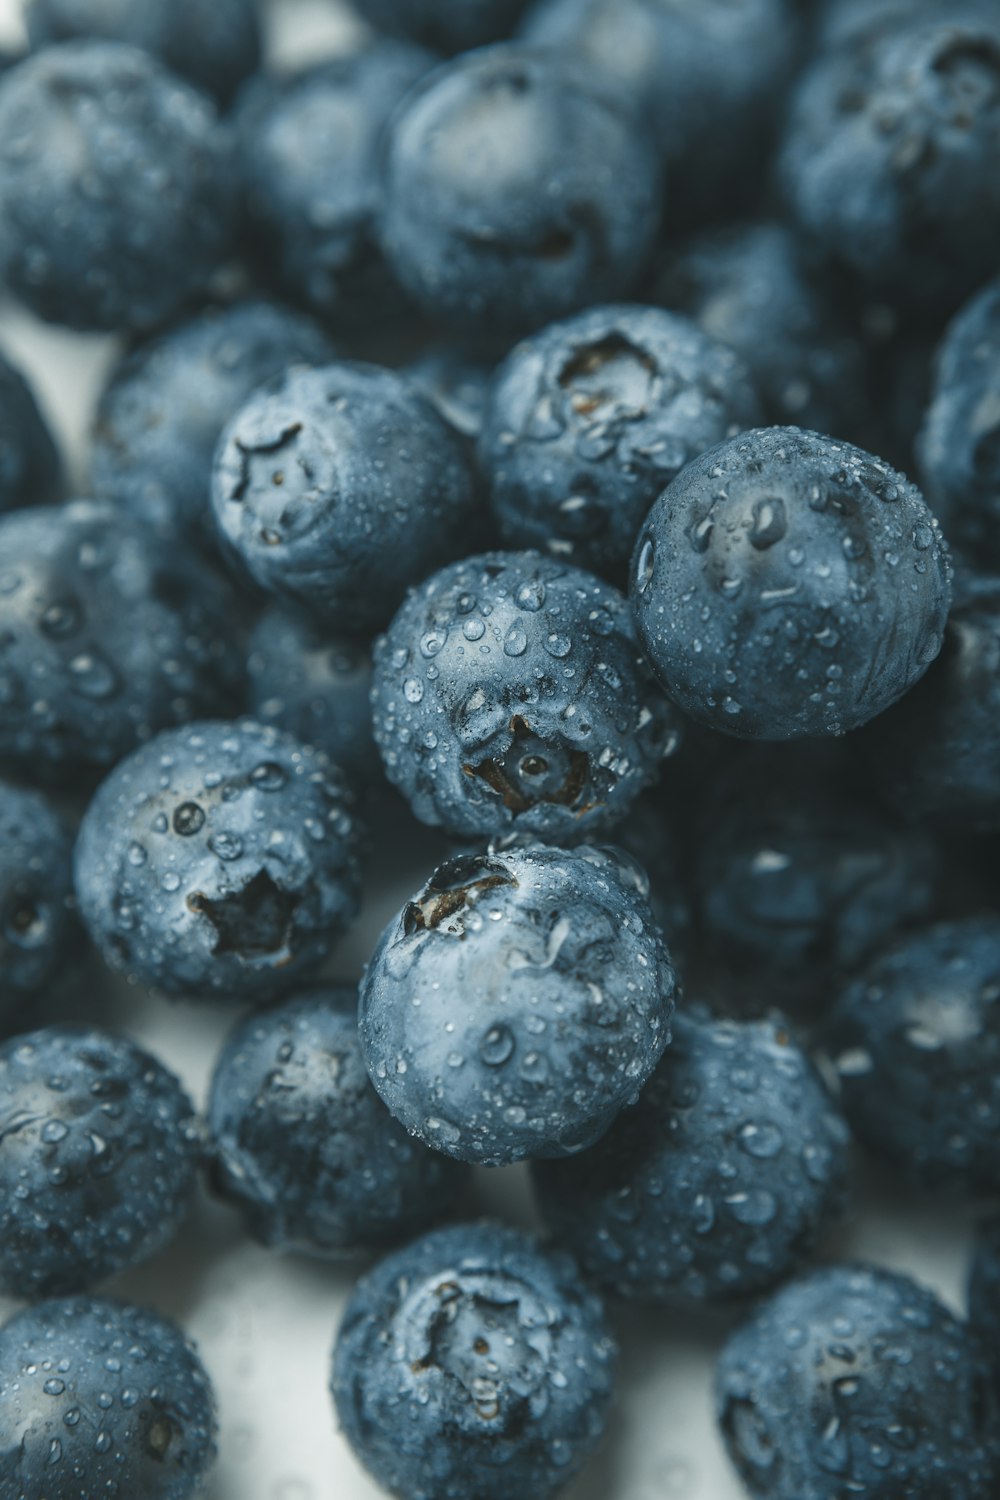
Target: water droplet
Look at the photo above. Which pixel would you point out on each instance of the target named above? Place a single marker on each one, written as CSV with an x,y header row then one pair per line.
x,y
558,646
515,641
644,566
188,819
268,777
225,845
530,596
768,523
54,1131
496,1046
474,630
413,690
763,1140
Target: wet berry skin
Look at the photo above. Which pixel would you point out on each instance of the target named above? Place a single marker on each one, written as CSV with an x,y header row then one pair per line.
x,y
338,487
591,418
857,1381
516,189
789,585
99,1172
959,444
86,128
106,636
915,1040
442,24
160,415
510,695
315,686
517,1003
308,149
29,461
37,926
303,1146
220,857
717,1183
215,46
473,1354
102,1398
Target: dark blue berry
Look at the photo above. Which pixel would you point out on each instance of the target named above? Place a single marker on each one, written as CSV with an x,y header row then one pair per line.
x,y
115,188
516,188
219,857
857,1381
161,414
517,1003
215,46
106,636
473,1362
510,694
37,928
915,1041
315,686
592,417
442,24
29,462
336,488
303,1146
788,585
102,1398
97,1160
717,1183
308,149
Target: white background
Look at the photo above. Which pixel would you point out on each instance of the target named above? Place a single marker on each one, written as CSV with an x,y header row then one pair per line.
x,y
265,1323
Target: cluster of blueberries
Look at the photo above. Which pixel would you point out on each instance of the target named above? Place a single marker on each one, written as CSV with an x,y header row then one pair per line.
x,y
600,578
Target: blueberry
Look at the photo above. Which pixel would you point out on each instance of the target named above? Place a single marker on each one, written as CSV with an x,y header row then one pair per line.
x,y
102,1398
457,382
308,152
936,755
37,929
509,693
442,24
517,189
787,585
98,1167
959,446
984,1290
29,461
717,1183
215,46
303,1145
591,418
105,636
848,22
473,1357
220,857
517,1003
336,488
707,76
856,1381
798,876
888,161
161,414
315,686
915,1041
749,286
115,194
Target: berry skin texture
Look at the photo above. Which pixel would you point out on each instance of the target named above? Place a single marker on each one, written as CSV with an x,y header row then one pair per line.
x,y
857,1381
220,857
717,1183
984,1291
216,47
302,1144
99,1170
164,408
473,1355
517,1003
959,445
29,462
510,695
441,24
102,1398
115,195
37,926
336,488
592,417
516,189
314,686
789,585
915,1040
888,165
308,153
106,636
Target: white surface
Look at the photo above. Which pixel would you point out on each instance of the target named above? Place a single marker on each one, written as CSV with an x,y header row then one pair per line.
x,y
264,1323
